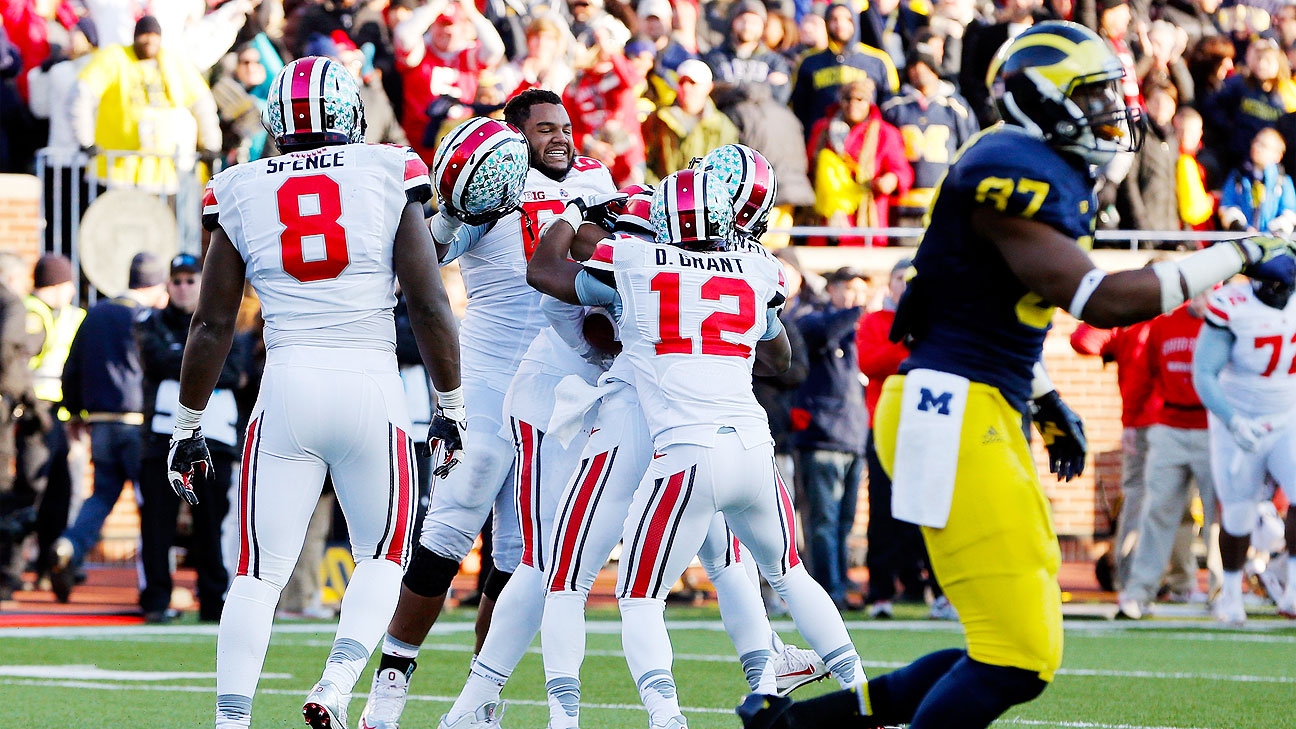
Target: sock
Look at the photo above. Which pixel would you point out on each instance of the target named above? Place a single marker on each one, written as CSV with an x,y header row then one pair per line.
x,y
520,604
397,654
894,697
562,642
1291,575
817,619
483,686
233,711
759,671
972,694
742,611
367,608
1231,588
648,652
241,644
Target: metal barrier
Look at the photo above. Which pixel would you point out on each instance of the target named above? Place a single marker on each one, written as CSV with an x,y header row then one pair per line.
x,y
71,181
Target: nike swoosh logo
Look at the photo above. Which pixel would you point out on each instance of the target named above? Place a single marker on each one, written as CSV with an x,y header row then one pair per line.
x,y
658,455
803,672
594,430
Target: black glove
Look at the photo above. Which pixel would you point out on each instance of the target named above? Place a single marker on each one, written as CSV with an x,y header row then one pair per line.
x,y
188,458
445,430
1063,435
599,208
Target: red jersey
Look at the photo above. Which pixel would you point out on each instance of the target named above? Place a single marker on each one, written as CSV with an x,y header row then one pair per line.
x,y
436,76
879,357
595,99
1126,347
1171,340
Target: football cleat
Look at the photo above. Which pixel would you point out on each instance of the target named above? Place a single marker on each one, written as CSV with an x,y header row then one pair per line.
x,y
796,667
675,722
1229,610
942,609
487,716
386,699
881,610
761,711
1287,604
326,707
1127,608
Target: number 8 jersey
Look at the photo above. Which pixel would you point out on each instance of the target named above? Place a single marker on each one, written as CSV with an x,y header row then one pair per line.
x,y
316,230
689,324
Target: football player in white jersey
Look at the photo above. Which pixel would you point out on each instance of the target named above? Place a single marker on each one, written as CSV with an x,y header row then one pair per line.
x,y
692,364
503,318
1244,369
323,233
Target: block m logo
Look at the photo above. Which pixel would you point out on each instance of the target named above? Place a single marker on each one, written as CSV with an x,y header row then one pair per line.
x,y
941,402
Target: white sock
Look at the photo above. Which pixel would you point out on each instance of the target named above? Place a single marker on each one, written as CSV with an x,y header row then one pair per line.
x,y
743,614
818,620
1231,588
399,648
562,641
1291,574
241,647
367,607
647,649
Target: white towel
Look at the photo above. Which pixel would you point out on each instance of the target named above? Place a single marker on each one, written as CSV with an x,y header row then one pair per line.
x,y
572,399
927,447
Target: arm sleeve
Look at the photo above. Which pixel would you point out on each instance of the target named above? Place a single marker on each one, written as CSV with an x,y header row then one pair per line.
x,y
773,324
594,292
467,237
407,36
1209,358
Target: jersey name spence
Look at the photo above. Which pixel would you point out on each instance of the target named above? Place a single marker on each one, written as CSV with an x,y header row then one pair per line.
x,y
316,230
1260,377
966,310
690,324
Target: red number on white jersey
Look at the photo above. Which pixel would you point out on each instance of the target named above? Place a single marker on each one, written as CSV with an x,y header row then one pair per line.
x,y
535,213
670,341
1275,341
309,207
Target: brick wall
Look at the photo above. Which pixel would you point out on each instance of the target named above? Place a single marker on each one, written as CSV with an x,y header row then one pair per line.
x,y
20,218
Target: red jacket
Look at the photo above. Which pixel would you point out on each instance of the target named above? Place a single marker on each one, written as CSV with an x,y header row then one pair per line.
x,y
595,99
888,157
879,357
1170,343
433,77
1127,348
29,33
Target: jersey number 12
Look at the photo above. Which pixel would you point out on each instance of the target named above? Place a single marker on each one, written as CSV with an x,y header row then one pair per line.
x,y
670,341
309,208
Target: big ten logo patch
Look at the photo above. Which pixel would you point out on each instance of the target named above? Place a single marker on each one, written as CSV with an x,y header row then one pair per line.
x,y
940,403
335,573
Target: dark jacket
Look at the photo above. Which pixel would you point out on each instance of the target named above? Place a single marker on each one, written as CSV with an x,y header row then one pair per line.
x,y
821,74
161,337
904,21
1236,112
16,351
1147,194
763,68
102,373
767,127
832,395
980,42
776,394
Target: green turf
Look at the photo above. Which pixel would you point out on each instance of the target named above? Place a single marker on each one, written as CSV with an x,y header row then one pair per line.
x,y
1195,677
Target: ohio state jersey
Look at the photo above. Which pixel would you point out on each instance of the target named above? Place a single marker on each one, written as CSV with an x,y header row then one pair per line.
x,y
1260,377
504,314
316,230
689,324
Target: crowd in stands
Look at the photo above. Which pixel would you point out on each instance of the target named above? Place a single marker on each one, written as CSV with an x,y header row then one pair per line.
x,y
860,104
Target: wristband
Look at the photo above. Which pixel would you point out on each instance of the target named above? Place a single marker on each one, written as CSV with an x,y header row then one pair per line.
x,y
452,403
1087,286
1197,273
1041,385
572,215
444,227
188,418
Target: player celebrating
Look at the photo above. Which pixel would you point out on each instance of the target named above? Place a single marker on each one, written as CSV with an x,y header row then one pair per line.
x,y
1244,368
713,447
503,318
1005,245
323,233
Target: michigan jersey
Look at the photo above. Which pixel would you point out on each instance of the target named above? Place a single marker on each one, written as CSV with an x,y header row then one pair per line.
x,y
689,324
1260,377
967,312
504,314
316,231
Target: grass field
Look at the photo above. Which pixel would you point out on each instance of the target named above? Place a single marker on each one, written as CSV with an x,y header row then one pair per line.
x,y
1156,675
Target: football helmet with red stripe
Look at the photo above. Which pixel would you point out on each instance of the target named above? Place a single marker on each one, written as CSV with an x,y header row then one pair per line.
x,y
691,209
314,101
750,180
480,169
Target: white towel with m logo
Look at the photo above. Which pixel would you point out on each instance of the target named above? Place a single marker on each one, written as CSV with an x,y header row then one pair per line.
x,y
927,447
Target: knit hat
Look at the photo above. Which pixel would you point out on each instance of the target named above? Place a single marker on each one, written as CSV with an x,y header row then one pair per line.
x,y
747,6
146,271
147,24
52,270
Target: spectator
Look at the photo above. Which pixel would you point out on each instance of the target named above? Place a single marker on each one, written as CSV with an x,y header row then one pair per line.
x,y
934,122
16,350
948,27
545,65
891,25
804,288
1197,18
812,33
1164,62
28,25
146,101
1114,18
1196,204
582,14
1259,197
1250,101
381,124
776,394
437,56
832,420
602,102
324,18
1178,453
980,42
781,34
1210,63
821,75
689,128
43,457
858,163
655,21
240,92
161,337
103,387
744,59
1148,193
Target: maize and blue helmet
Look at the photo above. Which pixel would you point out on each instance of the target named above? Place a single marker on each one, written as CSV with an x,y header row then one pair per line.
x,y
314,101
752,186
692,209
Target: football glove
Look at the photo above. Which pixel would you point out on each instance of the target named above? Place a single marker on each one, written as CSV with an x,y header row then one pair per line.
x,y
187,459
1248,432
1063,434
1268,258
446,430
596,208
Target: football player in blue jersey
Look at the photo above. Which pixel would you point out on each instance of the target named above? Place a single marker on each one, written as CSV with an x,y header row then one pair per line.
x,y
1005,244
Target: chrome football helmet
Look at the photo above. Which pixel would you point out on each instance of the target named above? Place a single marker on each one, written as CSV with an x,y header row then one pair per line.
x,y
750,179
314,101
692,209
480,169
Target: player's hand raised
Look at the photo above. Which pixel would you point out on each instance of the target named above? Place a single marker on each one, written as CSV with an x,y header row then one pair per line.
x,y
187,459
446,430
1063,434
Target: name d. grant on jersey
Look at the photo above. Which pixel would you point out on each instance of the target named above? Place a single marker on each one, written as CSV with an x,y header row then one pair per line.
x,y
308,162
704,262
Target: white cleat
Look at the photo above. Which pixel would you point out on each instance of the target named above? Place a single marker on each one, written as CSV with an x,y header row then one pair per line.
x,y
942,609
675,722
1287,604
386,700
487,716
326,707
796,667
1229,610
1127,608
